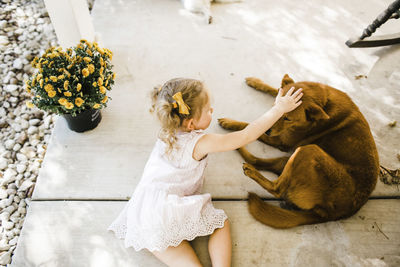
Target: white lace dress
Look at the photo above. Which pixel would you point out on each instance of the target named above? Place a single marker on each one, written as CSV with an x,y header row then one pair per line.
x,y
166,206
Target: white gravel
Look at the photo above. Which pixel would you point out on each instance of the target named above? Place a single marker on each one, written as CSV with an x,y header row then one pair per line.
x,y
25,32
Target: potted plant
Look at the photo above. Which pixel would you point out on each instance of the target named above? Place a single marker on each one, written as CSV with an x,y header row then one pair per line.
x,y
73,83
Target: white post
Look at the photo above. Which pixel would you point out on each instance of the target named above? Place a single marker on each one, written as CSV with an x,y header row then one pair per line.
x,y
71,20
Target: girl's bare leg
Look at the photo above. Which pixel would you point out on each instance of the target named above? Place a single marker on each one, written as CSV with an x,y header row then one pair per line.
x,y
180,256
220,246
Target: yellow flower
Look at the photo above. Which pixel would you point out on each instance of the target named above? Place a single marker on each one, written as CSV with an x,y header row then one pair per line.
x,y
106,83
78,87
39,76
96,106
104,99
60,77
69,105
89,52
113,76
101,61
100,81
51,64
85,72
79,101
87,59
62,101
48,87
102,90
53,78
51,94
100,50
66,84
91,68
59,90
29,104
46,79
67,73
41,83
67,93
101,71
94,84
33,82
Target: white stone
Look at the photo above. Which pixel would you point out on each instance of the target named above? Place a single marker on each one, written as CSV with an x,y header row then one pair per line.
x,y
11,88
17,199
32,130
3,193
4,216
22,210
17,147
5,258
21,157
3,40
34,122
3,245
3,163
17,64
25,185
17,127
13,241
9,144
11,191
9,176
5,203
24,124
8,225
3,24
21,168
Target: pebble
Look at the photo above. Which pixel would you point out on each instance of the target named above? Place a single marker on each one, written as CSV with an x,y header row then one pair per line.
x,y
25,185
32,130
8,225
5,258
9,144
21,168
11,88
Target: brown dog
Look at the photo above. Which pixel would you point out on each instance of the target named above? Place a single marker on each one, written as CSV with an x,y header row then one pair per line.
x,y
334,167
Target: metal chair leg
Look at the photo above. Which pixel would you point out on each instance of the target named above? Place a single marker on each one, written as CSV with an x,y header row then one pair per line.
x,y
392,12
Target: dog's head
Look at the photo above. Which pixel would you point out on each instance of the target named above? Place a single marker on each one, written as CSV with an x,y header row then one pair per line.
x,y
294,126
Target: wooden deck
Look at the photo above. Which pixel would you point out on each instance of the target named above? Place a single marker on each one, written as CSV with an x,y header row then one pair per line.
x,y
86,178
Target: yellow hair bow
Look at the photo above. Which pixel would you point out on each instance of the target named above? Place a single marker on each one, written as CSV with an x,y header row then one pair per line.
x,y
183,108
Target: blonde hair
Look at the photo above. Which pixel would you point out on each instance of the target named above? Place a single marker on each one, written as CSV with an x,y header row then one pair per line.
x,y
194,95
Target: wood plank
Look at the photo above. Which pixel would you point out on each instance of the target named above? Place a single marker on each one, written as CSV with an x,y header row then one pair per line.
x,y
73,233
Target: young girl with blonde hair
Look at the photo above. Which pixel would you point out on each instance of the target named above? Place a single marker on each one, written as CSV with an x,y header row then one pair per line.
x,y
167,209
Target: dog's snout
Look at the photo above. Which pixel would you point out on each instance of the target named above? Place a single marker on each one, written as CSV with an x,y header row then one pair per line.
x,y
268,132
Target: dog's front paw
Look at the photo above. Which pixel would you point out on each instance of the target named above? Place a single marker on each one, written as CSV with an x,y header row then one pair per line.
x,y
253,82
249,170
226,123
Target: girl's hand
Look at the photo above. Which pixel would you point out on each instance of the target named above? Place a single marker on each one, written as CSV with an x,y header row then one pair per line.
x,y
290,101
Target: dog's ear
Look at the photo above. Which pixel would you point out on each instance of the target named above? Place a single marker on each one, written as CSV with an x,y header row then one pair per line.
x,y
286,80
316,113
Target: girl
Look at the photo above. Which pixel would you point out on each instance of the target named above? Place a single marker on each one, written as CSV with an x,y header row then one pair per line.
x,y
166,209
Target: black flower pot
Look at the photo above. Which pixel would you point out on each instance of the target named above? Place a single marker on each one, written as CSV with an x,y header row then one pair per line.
x,y
84,121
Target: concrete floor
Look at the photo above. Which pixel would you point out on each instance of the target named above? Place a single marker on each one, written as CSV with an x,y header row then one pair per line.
x,y
155,40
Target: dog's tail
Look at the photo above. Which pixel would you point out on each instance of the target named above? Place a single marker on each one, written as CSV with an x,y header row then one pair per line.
x,y
277,217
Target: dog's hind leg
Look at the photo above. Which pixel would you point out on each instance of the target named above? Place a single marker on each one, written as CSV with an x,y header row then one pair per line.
x,y
261,86
252,172
275,165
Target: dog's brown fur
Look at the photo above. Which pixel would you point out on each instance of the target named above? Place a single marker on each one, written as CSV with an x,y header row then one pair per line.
x,y
334,167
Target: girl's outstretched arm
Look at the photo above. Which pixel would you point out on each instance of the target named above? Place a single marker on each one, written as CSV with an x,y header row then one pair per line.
x,y
210,143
